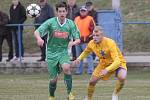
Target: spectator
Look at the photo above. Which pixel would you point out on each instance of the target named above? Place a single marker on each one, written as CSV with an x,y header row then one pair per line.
x,y
86,25
46,13
5,34
17,16
73,11
92,12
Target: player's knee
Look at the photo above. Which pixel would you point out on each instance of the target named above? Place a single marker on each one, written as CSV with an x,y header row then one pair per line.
x,y
66,70
122,75
121,78
92,82
53,81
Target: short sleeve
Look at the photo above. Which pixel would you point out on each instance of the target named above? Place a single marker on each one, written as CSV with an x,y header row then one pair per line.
x,y
43,29
75,34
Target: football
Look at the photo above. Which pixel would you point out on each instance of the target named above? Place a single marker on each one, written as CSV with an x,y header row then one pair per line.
x,y
33,10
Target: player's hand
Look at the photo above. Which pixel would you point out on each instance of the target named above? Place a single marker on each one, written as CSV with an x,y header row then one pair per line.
x,y
71,43
103,72
75,62
40,42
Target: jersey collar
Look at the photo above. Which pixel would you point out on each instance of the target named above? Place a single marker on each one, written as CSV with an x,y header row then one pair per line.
x,y
63,23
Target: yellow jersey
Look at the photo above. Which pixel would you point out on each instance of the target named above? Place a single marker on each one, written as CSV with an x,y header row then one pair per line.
x,y
110,57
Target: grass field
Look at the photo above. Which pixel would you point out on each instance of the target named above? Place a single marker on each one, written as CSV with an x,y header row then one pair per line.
x,y
35,87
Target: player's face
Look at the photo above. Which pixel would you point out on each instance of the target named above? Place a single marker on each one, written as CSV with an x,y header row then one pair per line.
x,y
62,12
97,36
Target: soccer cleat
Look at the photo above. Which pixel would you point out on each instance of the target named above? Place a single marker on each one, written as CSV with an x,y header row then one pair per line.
x,y
71,96
51,98
114,96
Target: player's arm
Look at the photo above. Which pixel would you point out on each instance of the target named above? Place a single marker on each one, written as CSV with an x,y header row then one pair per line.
x,y
114,55
39,40
40,32
77,41
72,43
86,52
74,35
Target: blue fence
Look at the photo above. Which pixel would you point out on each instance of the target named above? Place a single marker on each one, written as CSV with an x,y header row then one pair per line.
x,y
111,21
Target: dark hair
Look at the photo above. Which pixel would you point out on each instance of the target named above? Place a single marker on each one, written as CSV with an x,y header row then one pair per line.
x,y
89,3
61,4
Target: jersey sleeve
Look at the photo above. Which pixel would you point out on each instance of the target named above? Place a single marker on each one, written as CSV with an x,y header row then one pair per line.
x,y
115,57
86,52
75,34
43,29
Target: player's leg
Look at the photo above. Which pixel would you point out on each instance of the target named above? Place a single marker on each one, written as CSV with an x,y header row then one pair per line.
x,y
68,80
52,88
67,77
94,79
91,87
121,74
96,76
53,74
65,62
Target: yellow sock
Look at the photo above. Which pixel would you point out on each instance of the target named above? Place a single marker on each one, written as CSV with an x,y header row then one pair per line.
x,y
51,98
119,85
91,89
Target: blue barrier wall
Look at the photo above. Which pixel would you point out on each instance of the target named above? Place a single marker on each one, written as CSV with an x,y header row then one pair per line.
x,y
111,22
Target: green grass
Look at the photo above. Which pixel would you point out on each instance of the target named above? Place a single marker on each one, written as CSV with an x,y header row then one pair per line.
x,y
35,87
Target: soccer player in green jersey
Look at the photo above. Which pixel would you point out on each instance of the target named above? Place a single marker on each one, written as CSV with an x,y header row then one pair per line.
x,y
60,32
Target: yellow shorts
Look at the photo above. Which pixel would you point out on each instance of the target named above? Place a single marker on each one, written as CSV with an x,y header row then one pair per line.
x,y
98,69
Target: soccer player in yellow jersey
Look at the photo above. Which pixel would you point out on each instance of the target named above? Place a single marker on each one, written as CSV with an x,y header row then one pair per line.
x,y
111,61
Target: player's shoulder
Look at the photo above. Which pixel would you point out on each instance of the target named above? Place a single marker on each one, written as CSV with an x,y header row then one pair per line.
x,y
91,42
69,21
52,19
109,40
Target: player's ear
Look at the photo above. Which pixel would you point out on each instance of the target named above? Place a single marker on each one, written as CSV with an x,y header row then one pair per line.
x,y
67,11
